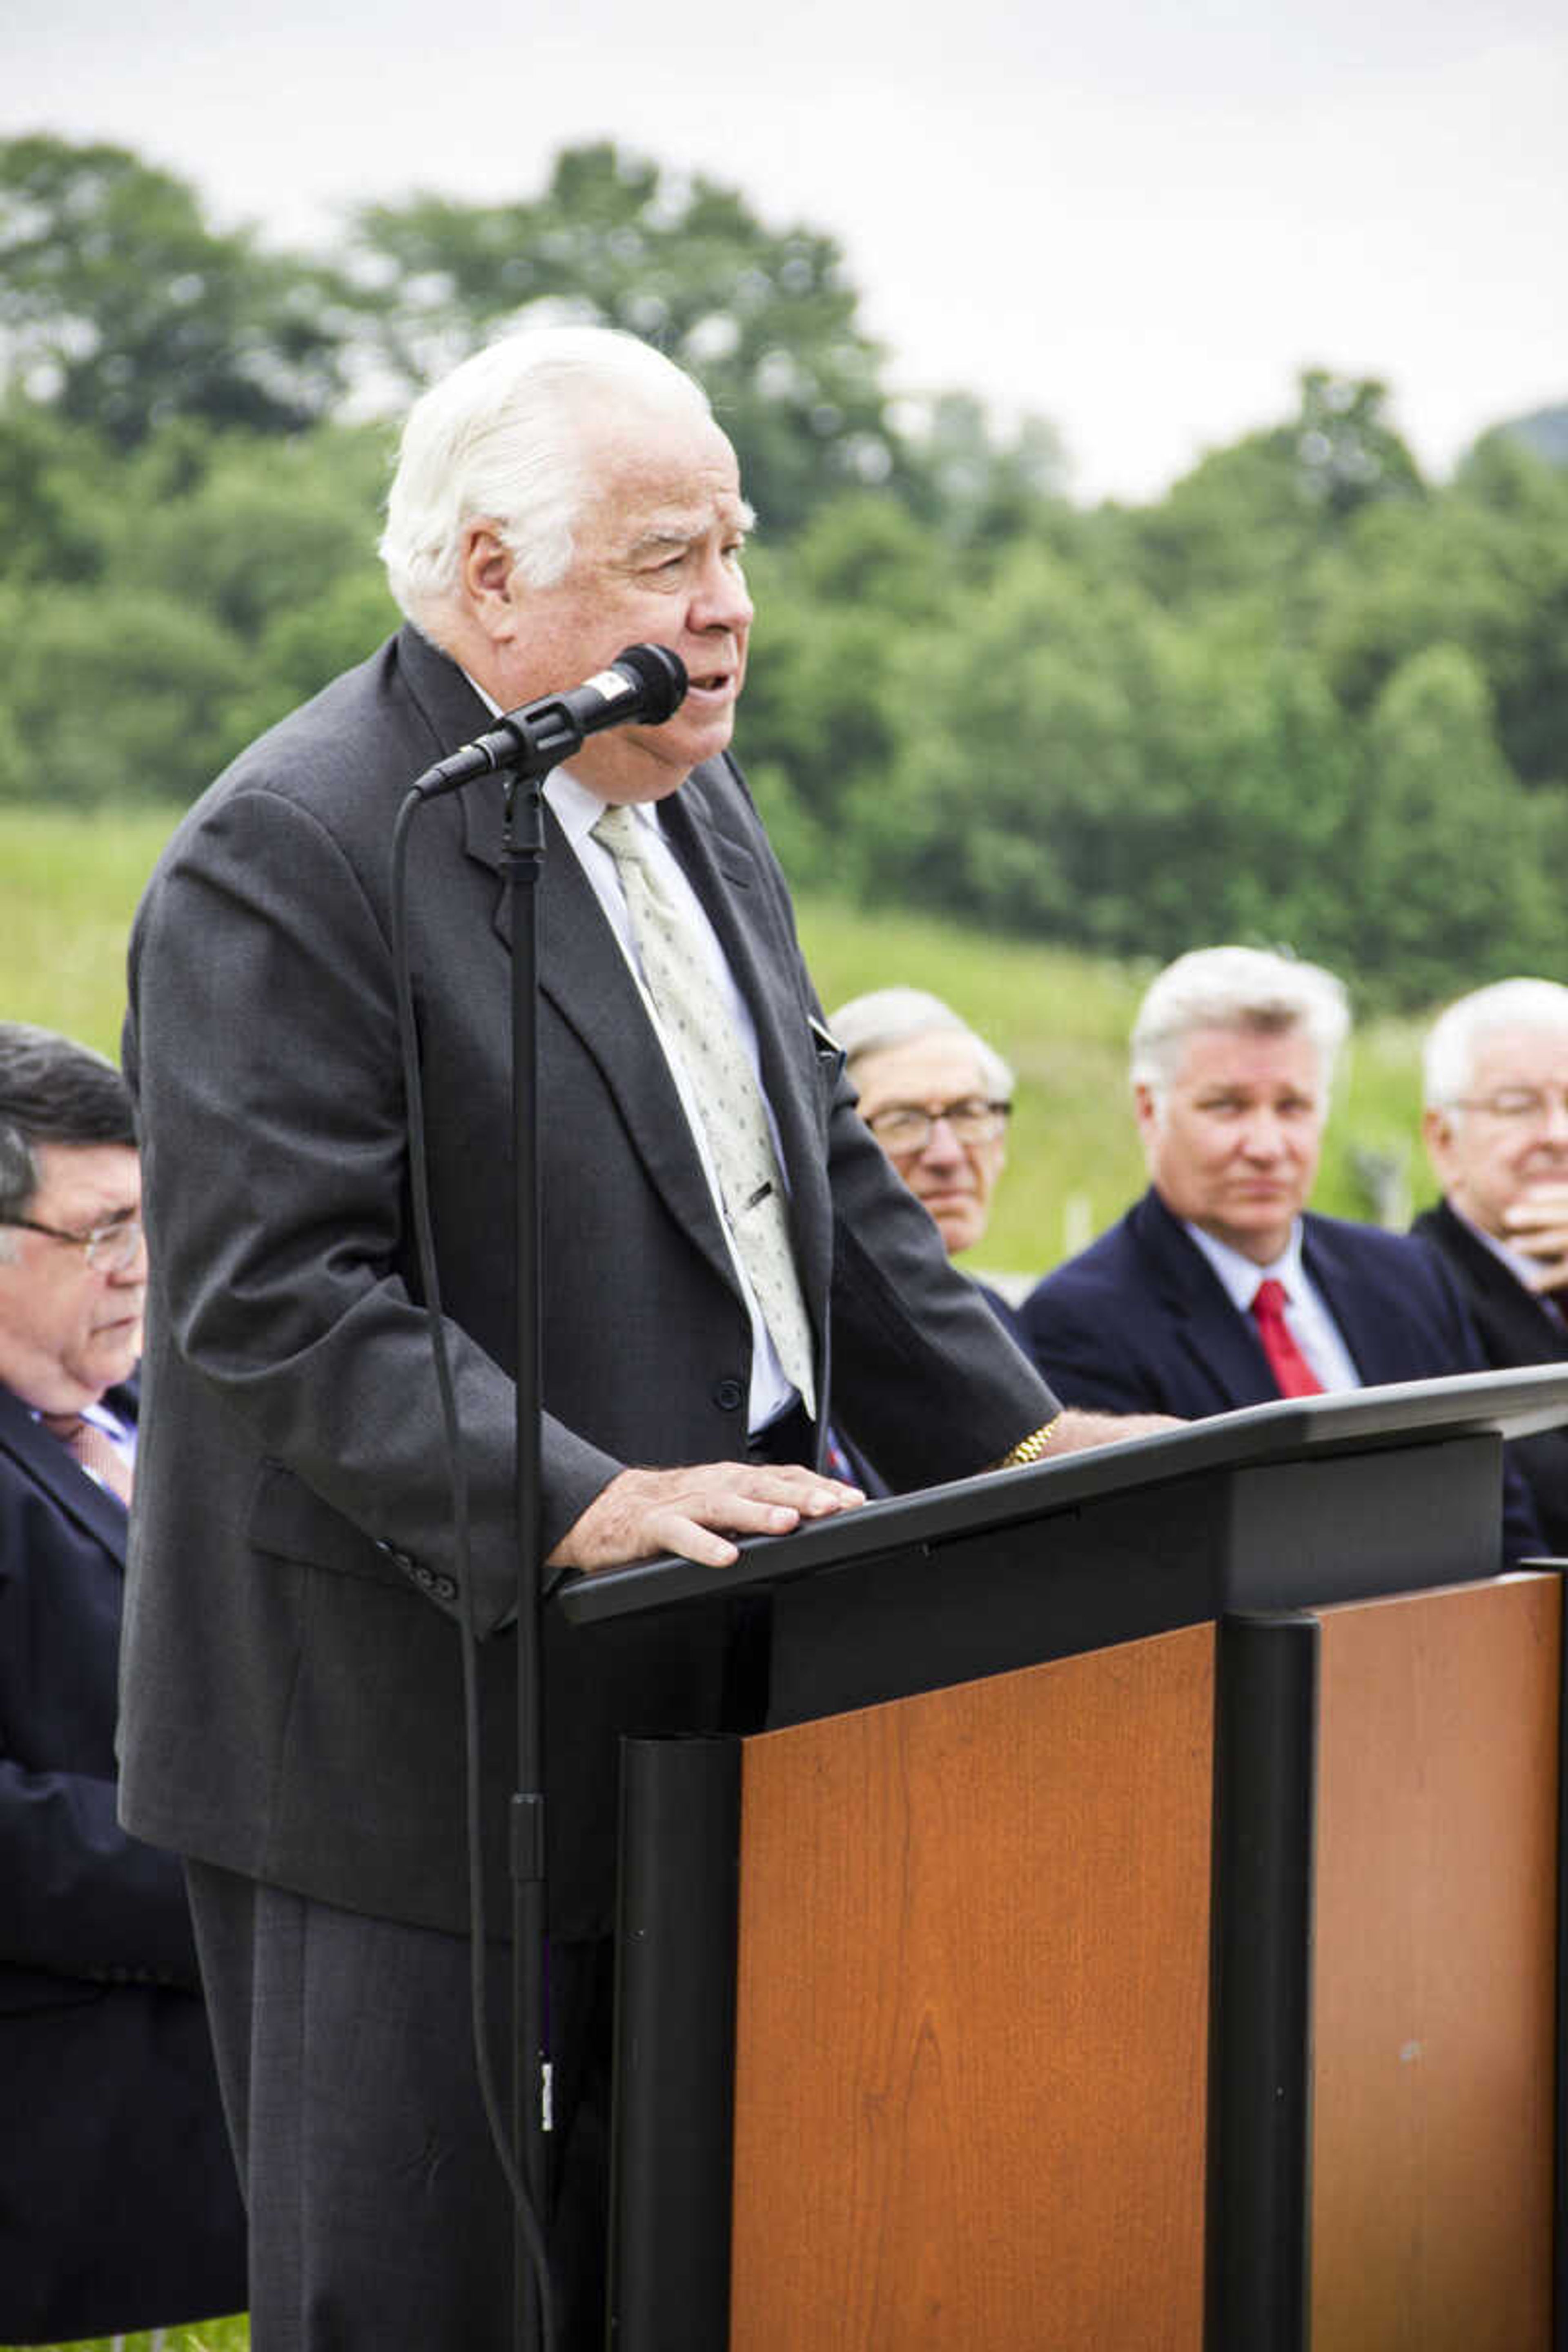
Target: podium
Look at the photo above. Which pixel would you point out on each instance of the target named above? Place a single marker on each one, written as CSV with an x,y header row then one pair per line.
x,y
1135,1922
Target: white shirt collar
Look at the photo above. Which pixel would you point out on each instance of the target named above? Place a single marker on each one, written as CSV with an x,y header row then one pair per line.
x,y
1241,1276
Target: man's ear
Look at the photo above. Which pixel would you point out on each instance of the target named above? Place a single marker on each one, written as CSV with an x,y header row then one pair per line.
x,y
1145,1109
487,570
1438,1134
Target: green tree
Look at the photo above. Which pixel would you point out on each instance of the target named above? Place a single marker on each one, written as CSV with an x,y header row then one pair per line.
x,y
764,317
120,308
1446,860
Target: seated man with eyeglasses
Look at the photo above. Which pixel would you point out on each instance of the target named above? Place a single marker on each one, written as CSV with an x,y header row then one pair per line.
x,y
938,1099
1496,1128
119,2206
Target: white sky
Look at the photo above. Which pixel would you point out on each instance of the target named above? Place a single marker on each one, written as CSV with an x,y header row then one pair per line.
x,y
1139,221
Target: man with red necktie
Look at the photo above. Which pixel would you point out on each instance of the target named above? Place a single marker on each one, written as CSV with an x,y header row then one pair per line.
x,y
1219,1287
119,2205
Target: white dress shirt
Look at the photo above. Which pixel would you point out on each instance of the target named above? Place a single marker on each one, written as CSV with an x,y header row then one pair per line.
x,y
1306,1316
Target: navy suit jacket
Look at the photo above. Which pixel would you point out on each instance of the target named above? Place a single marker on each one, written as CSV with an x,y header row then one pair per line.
x,y
1514,1326
119,2206
1140,1322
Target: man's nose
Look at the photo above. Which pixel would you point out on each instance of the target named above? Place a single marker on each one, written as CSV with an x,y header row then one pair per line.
x,y
721,600
942,1144
1263,1138
135,1271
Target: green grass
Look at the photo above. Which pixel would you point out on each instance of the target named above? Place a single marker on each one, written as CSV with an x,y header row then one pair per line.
x,y
69,886
204,2335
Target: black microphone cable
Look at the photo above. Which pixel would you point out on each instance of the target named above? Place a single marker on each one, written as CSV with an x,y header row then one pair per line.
x,y
529,2223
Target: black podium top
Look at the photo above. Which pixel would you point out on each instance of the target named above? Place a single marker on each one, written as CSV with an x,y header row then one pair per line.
x,y
1291,1505
1510,1404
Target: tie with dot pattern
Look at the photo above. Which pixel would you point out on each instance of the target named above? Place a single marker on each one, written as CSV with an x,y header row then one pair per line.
x,y
724,1086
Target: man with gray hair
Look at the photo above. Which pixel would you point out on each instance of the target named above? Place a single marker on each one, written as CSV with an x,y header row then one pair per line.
x,y
1495,1072
711,1206
938,1099
119,2206
1219,1287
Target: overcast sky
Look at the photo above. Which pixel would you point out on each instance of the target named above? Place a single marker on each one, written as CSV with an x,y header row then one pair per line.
x,y
1139,221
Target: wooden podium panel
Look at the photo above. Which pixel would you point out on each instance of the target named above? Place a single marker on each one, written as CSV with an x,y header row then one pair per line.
x,y
973,2012
1435,1993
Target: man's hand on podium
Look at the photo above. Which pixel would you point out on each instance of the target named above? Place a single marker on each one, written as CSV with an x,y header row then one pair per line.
x,y
643,1513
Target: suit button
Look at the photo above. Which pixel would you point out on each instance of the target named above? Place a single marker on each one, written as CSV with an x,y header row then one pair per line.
x,y
728,1395
445,1588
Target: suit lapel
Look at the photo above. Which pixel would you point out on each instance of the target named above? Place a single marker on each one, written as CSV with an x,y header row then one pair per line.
x,y
46,1462
1518,1328
1220,1344
584,976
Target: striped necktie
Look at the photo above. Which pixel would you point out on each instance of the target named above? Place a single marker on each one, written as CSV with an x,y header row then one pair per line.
x,y
94,1449
724,1086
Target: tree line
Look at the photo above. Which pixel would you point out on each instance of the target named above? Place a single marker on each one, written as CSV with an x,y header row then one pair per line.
x,y
1306,697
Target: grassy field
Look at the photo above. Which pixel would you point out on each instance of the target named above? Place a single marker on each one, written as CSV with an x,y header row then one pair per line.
x,y
67,887
207,2336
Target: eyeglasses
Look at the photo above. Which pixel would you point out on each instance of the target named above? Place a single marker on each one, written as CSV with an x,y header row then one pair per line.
x,y
904,1128
108,1248
1517,1103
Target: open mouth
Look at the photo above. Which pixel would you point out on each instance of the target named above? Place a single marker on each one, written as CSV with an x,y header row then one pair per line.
x,y
717,681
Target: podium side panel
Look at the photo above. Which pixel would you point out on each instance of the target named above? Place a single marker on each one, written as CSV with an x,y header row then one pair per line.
x,y
1435,2007
973,2015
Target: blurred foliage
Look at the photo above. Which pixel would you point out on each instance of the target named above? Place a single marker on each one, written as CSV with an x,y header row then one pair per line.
x,y
1306,698
69,883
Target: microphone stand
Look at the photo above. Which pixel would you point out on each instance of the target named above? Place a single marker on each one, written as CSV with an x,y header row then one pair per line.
x,y
523,862
528,743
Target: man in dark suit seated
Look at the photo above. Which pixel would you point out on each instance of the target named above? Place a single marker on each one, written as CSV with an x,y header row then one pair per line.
x,y
1219,1288
1496,1125
119,2206
938,1099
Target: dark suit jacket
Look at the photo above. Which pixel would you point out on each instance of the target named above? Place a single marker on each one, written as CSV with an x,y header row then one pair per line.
x,y
118,2207
291,1692
1513,1327
1139,1322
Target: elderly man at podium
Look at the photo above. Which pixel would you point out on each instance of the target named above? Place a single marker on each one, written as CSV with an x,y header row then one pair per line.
x,y
1220,1288
717,1229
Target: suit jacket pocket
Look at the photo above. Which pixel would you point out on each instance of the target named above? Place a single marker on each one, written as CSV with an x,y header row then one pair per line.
x,y
291,1523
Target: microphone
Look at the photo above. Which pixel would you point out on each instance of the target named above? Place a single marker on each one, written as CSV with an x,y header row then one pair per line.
x,y
645,682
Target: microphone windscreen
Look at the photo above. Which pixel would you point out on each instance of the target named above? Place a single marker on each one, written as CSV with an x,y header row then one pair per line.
x,y
660,675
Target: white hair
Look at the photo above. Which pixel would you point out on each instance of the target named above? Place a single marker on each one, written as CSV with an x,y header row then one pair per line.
x,y
1448,1056
1244,988
500,440
887,1017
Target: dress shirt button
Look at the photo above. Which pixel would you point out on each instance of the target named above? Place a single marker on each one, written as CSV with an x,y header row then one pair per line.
x,y
728,1395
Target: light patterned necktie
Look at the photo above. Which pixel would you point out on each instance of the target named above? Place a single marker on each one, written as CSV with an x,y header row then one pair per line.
x,y
94,1449
724,1086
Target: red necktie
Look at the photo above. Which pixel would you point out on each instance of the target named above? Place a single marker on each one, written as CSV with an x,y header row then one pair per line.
x,y
97,1453
1293,1374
